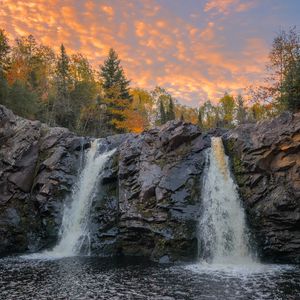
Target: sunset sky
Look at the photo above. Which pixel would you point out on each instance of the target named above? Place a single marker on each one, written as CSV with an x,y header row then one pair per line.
x,y
197,49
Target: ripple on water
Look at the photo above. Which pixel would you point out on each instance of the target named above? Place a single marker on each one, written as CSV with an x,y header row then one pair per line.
x,y
97,278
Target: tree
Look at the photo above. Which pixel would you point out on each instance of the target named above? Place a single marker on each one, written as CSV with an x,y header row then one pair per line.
x,y
284,54
162,111
257,112
227,109
209,119
4,64
143,103
85,90
190,114
61,111
3,89
290,89
200,117
4,51
241,110
112,75
116,89
170,112
22,101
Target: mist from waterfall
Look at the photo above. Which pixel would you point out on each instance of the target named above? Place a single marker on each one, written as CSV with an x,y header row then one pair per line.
x,y
74,232
223,233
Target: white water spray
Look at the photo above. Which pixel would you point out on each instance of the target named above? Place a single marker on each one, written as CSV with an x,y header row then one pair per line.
x,y
222,229
74,231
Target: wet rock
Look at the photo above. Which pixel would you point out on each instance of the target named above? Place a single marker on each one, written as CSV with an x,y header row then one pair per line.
x,y
266,162
159,192
37,172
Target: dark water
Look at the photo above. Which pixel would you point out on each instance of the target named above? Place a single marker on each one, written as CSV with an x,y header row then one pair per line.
x,y
97,278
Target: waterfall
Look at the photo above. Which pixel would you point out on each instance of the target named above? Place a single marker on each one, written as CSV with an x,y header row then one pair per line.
x,y
74,231
222,228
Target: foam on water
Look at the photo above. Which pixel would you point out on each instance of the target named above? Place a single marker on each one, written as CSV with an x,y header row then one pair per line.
x,y
223,234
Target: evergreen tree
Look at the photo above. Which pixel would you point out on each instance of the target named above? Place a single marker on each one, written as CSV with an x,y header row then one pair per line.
x,y
170,112
63,74
162,111
62,114
116,91
112,74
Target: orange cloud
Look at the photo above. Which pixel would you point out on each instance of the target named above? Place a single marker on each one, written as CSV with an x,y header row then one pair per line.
x,y
225,6
156,45
108,10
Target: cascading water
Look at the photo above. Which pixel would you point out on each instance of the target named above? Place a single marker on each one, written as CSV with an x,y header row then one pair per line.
x,y
222,229
74,231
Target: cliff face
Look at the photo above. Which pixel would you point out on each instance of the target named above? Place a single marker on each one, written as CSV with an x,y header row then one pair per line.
x,y
266,162
148,200
150,194
38,166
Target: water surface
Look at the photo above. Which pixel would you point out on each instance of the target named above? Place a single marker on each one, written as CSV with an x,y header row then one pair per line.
x,y
99,278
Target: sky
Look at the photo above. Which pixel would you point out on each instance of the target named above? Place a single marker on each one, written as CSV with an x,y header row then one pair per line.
x,y
196,49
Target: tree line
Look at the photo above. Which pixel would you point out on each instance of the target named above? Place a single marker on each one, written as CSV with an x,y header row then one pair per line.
x,y
65,90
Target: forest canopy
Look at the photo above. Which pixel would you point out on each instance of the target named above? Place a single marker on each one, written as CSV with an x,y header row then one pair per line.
x,y
66,90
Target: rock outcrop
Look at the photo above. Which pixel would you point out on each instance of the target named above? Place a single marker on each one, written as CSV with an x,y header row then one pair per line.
x,y
148,202
149,197
160,189
38,166
266,162
150,194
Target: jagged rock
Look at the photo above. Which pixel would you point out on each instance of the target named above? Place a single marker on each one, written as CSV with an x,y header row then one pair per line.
x,y
159,192
37,172
266,162
150,193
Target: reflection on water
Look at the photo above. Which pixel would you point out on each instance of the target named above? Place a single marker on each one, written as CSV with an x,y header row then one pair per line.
x,y
98,278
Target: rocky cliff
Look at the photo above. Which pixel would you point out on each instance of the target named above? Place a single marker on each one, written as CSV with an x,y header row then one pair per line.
x,y
149,197
148,202
266,162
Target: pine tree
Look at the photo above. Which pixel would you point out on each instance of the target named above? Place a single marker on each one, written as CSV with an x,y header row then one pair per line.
x,y
112,74
162,113
170,112
63,74
62,114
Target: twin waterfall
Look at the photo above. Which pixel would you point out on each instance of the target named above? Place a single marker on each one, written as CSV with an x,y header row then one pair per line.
x,y
74,231
223,237
222,229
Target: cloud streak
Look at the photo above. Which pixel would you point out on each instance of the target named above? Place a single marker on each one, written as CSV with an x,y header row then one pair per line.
x,y
197,57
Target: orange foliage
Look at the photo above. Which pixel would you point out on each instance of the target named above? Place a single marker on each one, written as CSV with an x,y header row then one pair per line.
x,y
18,70
132,121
